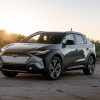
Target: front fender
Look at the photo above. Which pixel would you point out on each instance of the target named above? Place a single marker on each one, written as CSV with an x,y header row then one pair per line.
x,y
49,57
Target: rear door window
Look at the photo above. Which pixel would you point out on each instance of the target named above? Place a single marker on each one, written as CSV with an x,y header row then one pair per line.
x,y
79,39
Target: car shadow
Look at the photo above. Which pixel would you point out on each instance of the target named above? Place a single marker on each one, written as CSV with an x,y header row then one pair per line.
x,y
26,76
30,77
72,74
41,77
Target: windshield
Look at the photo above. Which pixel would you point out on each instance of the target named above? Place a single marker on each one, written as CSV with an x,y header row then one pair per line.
x,y
46,38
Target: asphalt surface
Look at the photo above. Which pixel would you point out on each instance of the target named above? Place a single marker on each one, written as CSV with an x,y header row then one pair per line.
x,y
74,85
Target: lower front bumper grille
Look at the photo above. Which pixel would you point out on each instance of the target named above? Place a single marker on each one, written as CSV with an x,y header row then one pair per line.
x,y
15,67
22,68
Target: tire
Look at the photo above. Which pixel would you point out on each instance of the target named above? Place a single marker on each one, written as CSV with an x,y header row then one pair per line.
x,y
54,70
9,73
90,66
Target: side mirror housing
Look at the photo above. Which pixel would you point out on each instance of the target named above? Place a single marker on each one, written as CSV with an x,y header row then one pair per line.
x,y
69,42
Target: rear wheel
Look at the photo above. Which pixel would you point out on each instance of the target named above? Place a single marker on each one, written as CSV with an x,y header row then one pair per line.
x,y
89,68
55,69
9,73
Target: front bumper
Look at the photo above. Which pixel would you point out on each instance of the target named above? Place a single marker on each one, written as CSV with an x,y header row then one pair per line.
x,y
29,63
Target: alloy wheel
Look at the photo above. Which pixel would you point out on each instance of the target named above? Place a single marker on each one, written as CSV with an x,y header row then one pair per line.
x,y
91,64
55,68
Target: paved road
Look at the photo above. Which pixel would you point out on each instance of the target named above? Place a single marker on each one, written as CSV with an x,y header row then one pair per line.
x,y
73,85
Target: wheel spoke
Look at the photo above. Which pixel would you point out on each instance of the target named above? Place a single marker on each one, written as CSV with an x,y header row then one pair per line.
x,y
58,66
51,67
54,62
52,73
91,61
57,72
91,64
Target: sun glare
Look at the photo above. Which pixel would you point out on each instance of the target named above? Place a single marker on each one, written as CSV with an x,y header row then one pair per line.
x,y
17,24
26,17
36,37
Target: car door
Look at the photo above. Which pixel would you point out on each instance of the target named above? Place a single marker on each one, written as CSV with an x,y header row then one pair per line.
x,y
69,51
80,49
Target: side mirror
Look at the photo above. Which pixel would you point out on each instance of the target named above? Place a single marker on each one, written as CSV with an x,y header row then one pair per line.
x,y
69,42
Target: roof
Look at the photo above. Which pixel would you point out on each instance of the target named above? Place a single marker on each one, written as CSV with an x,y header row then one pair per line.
x,y
54,32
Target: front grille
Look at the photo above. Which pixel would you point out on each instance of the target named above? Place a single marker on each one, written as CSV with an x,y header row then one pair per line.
x,y
19,58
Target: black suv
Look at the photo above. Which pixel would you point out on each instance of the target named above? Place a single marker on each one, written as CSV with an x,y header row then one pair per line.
x,y
49,53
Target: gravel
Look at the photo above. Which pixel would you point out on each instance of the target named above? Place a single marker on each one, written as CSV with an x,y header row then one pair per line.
x,y
73,85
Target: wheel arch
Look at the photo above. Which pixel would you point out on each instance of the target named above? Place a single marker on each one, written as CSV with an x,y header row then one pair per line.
x,y
59,56
49,57
90,54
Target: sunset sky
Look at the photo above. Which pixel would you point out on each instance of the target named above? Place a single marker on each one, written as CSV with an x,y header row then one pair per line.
x,y
29,16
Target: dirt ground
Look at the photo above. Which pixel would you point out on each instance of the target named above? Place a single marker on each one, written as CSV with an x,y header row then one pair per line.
x,y
74,85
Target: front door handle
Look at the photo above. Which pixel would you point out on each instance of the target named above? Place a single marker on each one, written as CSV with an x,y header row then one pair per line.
x,y
76,50
87,49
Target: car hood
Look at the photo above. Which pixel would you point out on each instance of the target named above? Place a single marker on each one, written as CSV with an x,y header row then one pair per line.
x,y
28,46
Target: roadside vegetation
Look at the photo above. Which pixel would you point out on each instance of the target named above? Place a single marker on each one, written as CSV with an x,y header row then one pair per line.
x,y
97,45
6,38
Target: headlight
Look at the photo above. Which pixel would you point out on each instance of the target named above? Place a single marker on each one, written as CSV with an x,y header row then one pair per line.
x,y
39,52
2,51
4,48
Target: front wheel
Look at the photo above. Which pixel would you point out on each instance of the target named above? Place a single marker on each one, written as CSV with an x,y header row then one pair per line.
x,y
89,68
9,73
55,69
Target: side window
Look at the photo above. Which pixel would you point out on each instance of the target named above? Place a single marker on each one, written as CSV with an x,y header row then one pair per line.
x,y
69,37
79,39
34,39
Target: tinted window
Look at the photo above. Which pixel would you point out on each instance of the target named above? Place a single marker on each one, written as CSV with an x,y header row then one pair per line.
x,y
79,39
69,37
50,38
